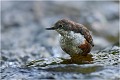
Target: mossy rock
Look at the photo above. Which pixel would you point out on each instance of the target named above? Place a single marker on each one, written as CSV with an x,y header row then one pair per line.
x,y
108,56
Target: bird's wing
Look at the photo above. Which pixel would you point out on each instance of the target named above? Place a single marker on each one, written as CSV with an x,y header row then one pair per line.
x,y
85,32
79,28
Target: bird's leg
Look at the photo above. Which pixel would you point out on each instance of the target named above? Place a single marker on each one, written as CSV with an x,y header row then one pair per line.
x,y
81,59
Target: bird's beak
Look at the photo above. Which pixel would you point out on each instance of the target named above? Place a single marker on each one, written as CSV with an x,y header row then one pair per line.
x,y
52,28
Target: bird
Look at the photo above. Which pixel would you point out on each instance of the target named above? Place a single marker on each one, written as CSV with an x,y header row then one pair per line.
x,y
75,38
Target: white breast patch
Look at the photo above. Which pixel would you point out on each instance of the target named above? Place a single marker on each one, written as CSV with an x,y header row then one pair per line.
x,y
71,41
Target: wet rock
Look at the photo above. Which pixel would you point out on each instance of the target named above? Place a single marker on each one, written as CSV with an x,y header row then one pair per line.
x,y
109,56
105,66
24,55
34,73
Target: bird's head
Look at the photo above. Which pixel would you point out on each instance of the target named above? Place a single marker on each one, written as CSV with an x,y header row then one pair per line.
x,y
62,26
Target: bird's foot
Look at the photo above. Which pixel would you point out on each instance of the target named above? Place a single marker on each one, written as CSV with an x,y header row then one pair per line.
x,y
81,59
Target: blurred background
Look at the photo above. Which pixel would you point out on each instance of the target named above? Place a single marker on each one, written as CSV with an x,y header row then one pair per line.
x,y
23,25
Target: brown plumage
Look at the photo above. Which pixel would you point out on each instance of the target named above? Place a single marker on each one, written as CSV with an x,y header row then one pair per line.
x,y
77,28
72,41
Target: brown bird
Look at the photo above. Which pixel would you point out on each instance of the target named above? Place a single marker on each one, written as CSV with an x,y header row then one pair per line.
x,y
75,38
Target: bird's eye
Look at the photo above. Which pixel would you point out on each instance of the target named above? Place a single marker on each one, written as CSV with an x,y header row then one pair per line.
x,y
60,26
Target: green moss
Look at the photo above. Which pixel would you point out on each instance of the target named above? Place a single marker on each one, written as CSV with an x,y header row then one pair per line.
x,y
107,57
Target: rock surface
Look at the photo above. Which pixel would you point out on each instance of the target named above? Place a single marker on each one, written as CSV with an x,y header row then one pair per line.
x,y
24,39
